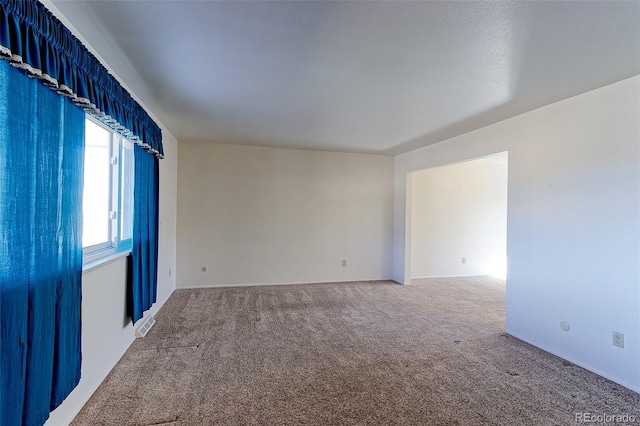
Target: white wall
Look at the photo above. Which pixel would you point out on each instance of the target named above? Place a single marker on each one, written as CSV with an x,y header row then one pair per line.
x,y
573,223
107,331
256,215
460,211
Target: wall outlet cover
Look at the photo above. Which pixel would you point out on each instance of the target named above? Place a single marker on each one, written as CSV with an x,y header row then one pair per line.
x,y
618,339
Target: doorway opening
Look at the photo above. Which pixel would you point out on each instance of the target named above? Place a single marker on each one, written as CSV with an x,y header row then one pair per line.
x,y
458,219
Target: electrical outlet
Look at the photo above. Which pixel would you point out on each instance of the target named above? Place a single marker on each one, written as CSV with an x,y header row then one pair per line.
x,y
464,260
618,339
344,263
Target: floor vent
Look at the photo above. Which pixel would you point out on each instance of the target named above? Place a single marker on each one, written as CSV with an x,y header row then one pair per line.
x,y
144,328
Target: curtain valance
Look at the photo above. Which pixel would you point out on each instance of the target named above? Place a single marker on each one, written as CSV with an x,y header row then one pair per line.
x,y
33,39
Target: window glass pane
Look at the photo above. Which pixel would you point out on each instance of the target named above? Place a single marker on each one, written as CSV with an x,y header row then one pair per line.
x,y
126,190
96,185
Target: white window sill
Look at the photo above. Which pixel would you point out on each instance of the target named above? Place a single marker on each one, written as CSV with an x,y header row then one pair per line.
x,y
103,261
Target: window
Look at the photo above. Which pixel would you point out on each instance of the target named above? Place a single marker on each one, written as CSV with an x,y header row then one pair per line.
x,y
108,192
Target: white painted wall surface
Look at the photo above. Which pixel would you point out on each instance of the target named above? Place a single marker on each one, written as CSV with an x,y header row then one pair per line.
x,y
107,332
256,215
573,242
460,210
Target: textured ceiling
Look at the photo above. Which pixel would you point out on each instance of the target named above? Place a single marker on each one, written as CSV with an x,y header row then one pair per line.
x,y
379,77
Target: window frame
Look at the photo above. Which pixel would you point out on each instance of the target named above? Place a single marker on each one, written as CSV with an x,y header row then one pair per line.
x,y
115,245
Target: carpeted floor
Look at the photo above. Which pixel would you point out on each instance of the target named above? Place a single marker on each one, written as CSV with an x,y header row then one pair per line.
x,y
363,353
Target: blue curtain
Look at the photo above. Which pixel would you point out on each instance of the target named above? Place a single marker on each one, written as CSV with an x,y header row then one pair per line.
x,y
33,39
41,173
143,261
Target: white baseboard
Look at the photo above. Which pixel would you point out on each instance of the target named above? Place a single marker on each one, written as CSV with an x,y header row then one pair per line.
x,y
189,287
449,276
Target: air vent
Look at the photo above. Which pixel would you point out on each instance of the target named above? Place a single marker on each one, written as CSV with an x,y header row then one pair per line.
x,y
144,328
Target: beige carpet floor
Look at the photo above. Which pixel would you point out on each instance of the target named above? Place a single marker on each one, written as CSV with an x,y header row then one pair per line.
x,y
362,353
